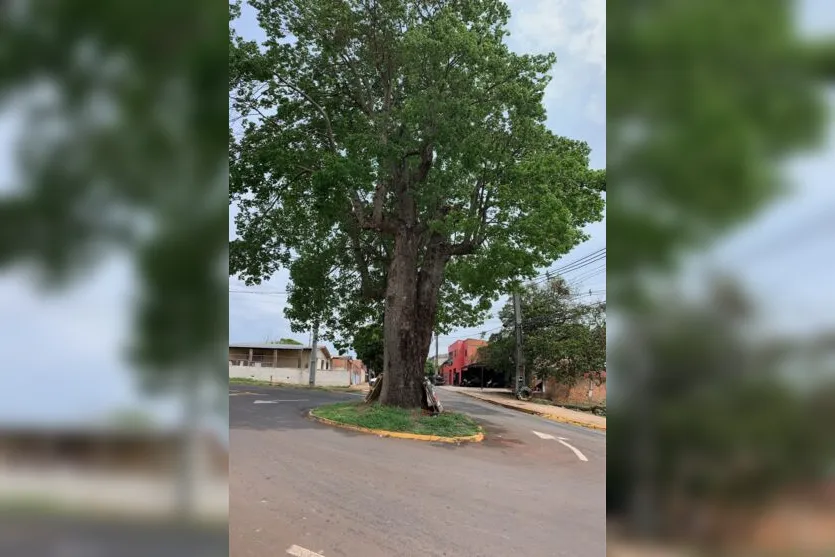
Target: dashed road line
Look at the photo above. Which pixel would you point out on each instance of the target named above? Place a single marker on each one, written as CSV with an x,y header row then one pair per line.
x,y
277,401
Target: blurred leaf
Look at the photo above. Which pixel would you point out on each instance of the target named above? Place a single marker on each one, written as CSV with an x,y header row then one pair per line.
x,y
124,148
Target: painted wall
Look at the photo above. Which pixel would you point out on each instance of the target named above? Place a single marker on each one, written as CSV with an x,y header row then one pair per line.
x,y
327,378
349,365
582,392
462,353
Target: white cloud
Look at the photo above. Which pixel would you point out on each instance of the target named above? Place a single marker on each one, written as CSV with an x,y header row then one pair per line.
x,y
574,30
596,109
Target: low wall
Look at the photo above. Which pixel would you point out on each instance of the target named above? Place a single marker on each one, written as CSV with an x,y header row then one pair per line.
x,y
583,392
326,378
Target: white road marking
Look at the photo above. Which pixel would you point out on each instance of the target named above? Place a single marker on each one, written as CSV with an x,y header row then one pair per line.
x,y
562,441
277,401
302,552
576,451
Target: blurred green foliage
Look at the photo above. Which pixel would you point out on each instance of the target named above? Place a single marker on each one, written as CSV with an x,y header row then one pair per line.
x,y
368,344
564,337
124,151
706,102
722,426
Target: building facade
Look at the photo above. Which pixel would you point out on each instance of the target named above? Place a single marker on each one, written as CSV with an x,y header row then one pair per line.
x,y
460,356
283,363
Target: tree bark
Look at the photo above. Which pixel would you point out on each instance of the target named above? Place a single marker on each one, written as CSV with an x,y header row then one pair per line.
x,y
411,307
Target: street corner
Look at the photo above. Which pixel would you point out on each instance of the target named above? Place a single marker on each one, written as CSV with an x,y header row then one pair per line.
x,y
558,415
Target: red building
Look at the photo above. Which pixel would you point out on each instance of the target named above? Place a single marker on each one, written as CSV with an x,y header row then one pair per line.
x,y
462,354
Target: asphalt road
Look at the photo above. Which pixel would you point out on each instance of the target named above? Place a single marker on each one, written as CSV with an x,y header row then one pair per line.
x,y
298,485
53,536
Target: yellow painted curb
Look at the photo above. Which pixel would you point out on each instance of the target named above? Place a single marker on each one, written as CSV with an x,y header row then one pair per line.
x,y
540,414
478,437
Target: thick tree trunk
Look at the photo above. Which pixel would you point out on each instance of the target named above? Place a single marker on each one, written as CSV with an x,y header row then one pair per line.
x,y
411,307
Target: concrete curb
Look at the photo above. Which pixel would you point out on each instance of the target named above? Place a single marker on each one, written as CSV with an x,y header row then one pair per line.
x,y
477,438
535,413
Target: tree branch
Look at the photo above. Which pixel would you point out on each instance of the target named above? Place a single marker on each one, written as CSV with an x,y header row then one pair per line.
x,y
378,219
369,289
316,105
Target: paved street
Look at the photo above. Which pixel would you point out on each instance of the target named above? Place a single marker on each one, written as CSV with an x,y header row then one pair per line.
x,y
534,487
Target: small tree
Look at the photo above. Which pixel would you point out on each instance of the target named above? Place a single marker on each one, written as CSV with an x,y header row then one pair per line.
x,y
563,338
368,344
429,368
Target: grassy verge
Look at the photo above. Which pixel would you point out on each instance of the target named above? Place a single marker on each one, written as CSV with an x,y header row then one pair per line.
x,y
374,416
260,383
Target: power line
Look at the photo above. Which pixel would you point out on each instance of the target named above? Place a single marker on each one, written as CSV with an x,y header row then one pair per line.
x,y
484,332
582,263
568,266
587,275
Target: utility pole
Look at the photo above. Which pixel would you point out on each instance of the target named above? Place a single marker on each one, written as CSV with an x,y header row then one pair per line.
x,y
520,365
313,350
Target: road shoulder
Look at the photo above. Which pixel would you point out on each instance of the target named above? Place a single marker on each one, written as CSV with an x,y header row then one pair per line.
x,y
547,411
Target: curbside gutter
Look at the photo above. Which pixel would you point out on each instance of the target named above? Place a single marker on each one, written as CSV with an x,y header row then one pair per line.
x,y
477,438
545,415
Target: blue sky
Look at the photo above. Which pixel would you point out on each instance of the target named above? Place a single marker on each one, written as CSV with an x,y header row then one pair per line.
x,y
62,354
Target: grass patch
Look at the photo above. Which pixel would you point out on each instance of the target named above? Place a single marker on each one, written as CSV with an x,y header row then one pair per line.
x,y
375,416
261,383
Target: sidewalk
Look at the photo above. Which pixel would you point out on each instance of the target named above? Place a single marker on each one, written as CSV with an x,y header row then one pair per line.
x,y
555,413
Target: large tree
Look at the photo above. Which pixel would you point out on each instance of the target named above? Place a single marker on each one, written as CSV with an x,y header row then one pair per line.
x,y
394,155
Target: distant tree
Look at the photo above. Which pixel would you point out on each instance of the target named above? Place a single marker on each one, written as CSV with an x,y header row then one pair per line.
x,y
285,341
368,344
429,368
562,336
